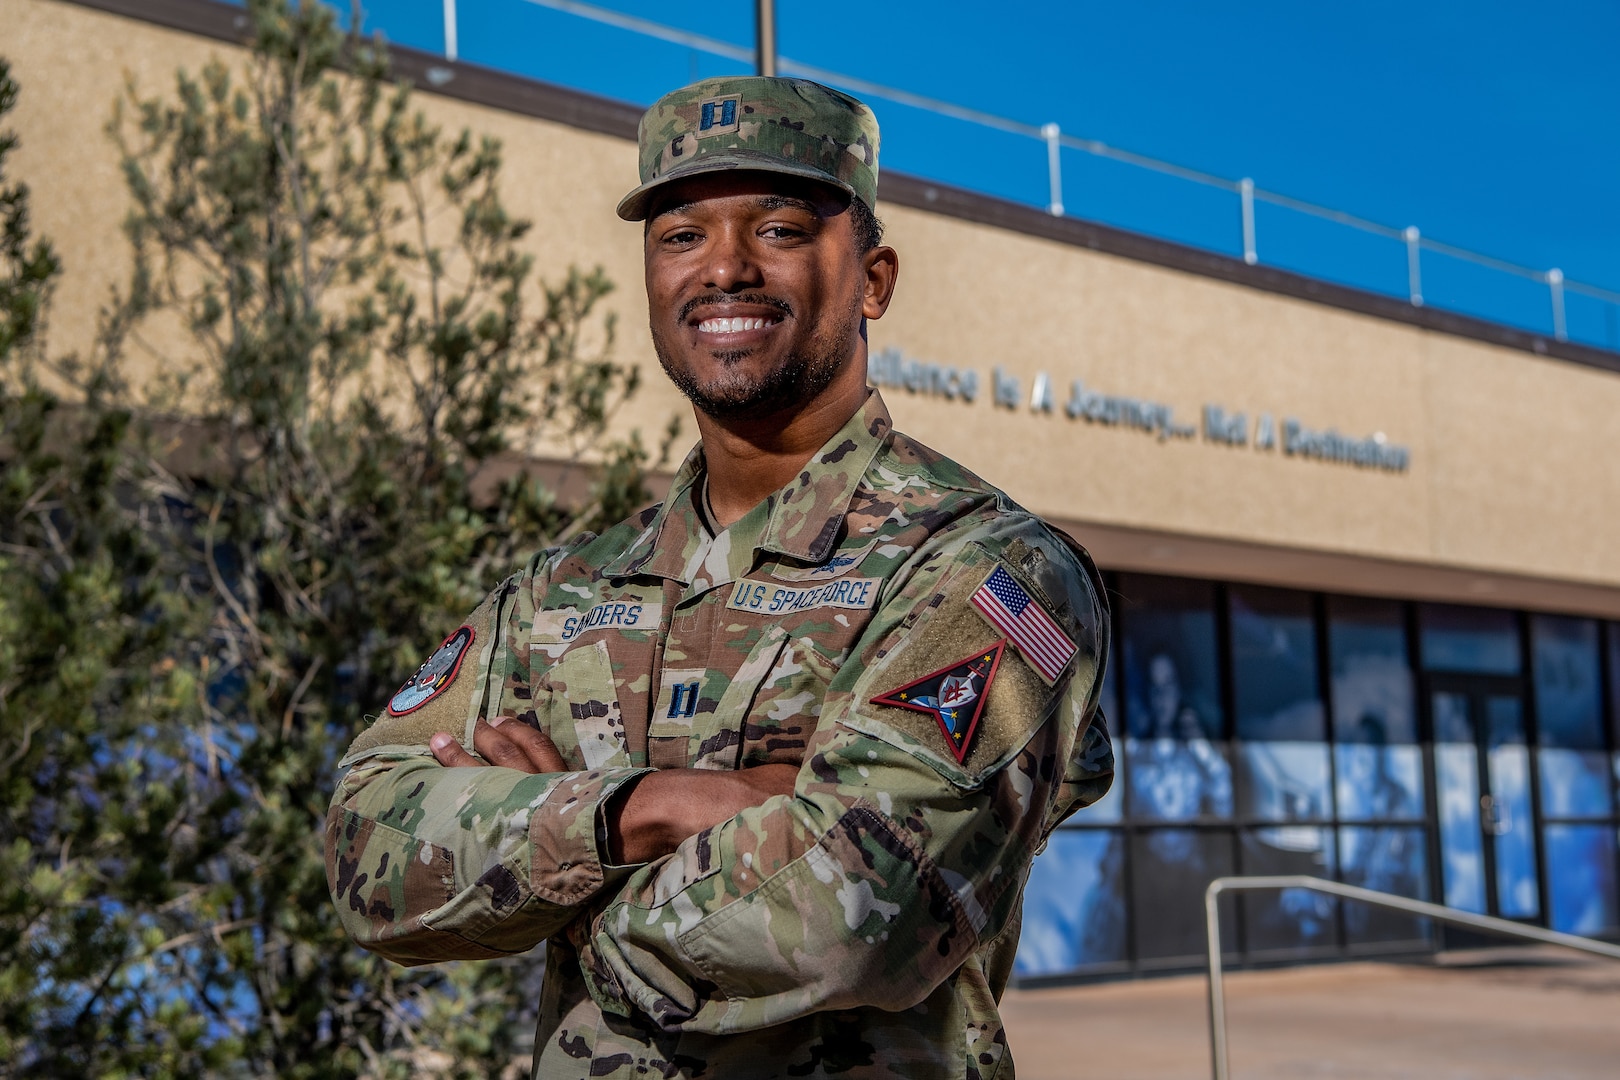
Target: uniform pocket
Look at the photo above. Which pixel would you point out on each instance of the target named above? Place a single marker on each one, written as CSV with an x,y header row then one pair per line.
x,y
582,715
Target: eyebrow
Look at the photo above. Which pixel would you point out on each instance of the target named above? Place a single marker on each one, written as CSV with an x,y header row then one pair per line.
x,y
766,202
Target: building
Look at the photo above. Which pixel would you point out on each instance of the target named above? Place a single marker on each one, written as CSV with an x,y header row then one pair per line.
x,y
1360,552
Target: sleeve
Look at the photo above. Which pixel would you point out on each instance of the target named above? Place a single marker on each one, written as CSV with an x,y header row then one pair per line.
x,y
902,849
427,863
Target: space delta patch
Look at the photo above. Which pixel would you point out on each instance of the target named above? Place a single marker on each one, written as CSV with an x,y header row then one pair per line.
x,y
433,676
954,696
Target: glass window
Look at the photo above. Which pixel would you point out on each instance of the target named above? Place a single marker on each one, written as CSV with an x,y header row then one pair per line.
x,y
1580,877
1480,641
1378,761
1289,918
1456,768
1281,725
1612,633
1176,767
1170,869
1074,904
1390,859
1107,809
1508,768
1569,713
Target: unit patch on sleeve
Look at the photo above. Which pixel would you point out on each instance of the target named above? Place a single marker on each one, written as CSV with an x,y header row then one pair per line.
x,y
433,676
1007,607
954,696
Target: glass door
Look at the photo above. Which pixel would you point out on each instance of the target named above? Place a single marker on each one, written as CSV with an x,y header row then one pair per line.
x,y
1482,786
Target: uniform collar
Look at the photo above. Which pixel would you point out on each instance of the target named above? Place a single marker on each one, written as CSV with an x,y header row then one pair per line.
x,y
802,520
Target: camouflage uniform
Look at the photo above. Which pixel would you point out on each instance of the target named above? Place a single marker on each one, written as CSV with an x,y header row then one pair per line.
x,y
863,927
925,651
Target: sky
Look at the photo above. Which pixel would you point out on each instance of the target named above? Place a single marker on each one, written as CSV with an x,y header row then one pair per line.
x,y
1491,126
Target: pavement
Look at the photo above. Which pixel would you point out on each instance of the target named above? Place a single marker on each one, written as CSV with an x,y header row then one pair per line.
x,y
1535,1014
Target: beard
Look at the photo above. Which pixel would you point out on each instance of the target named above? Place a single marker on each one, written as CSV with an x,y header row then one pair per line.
x,y
738,393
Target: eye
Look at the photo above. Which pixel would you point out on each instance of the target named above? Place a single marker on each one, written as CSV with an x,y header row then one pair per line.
x,y
680,237
780,231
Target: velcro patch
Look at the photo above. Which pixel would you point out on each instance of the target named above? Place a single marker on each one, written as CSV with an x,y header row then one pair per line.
x,y
432,677
954,696
1007,606
767,598
566,624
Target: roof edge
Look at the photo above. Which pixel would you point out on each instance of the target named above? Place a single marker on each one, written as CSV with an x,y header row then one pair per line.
x,y
606,116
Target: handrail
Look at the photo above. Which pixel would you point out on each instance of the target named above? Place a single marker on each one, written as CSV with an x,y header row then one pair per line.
x,y
1412,238
1217,992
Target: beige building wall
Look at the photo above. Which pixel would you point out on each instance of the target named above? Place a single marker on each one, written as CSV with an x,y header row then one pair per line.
x,y
1510,496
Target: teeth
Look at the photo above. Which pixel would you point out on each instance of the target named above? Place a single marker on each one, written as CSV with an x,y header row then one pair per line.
x,y
731,326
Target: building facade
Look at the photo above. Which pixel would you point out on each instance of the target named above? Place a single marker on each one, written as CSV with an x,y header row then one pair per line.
x,y
1359,551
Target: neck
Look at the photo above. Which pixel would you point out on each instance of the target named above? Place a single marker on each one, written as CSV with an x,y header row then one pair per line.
x,y
750,458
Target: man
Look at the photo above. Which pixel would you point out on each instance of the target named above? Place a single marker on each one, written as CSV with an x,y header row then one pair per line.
x,y
767,763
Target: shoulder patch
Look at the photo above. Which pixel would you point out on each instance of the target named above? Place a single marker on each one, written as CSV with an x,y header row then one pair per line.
x,y
433,676
954,696
1009,607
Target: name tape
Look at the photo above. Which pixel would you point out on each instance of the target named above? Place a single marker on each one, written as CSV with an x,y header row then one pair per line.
x,y
768,599
566,624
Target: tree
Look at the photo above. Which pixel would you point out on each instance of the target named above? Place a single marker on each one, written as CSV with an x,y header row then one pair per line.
x,y
295,454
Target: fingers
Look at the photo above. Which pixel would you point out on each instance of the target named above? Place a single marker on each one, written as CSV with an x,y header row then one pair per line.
x,y
536,744
516,745
449,753
511,746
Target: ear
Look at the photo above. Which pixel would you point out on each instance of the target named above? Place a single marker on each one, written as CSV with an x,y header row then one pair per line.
x,y
882,266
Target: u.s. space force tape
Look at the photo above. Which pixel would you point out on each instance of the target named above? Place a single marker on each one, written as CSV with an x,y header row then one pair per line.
x,y
769,598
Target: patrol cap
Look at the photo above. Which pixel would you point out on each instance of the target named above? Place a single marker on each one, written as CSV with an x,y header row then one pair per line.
x,y
790,126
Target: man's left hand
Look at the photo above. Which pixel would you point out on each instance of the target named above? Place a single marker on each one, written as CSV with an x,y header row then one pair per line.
x,y
511,744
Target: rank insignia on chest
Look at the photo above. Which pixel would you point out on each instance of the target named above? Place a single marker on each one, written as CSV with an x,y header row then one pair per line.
x,y
433,676
954,696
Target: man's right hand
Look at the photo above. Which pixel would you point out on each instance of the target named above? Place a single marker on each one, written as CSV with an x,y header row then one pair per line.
x,y
661,809
667,806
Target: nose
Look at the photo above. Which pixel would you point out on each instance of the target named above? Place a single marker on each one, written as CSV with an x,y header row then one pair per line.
x,y
732,264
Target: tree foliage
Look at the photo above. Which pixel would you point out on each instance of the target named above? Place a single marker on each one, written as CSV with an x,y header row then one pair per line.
x,y
292,457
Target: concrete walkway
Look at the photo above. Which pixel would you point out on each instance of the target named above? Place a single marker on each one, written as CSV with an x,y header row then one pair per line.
x,y
1531,1014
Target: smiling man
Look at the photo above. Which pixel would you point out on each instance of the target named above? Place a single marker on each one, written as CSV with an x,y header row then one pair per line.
x,y
766,764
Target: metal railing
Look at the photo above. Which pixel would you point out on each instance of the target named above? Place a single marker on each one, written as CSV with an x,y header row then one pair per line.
x,y
1437,912
1248,194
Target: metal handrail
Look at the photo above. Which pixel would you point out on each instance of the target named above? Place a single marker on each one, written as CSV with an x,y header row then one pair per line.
x,y
1245,188
1437,912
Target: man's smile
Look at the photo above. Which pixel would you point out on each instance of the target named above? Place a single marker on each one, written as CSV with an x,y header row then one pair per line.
x,y
734,325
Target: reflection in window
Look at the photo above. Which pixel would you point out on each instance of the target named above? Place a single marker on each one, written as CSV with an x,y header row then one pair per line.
x,y
1481,641
1574,767
1378,761
1074,904
1281,727
1456,768
1169,871
1612,633
1378,782
1289,918
1176,770
1388,859
1580,877
1513,835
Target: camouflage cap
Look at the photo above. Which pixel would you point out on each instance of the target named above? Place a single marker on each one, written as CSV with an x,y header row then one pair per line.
x,y
790,126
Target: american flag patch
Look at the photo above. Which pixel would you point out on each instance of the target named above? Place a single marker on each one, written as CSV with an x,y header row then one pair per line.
x,y
1010,609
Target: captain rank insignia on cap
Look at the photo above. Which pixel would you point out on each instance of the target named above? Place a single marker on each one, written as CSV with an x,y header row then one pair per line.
x,y
719,116
954,696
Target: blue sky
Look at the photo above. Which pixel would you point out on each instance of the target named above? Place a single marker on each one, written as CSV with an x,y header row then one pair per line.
x,y
1491,126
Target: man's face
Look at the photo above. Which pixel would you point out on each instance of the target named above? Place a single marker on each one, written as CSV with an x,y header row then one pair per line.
x,y
756,291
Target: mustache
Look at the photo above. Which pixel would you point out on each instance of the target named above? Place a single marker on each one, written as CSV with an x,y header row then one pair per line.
x,y
722,299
